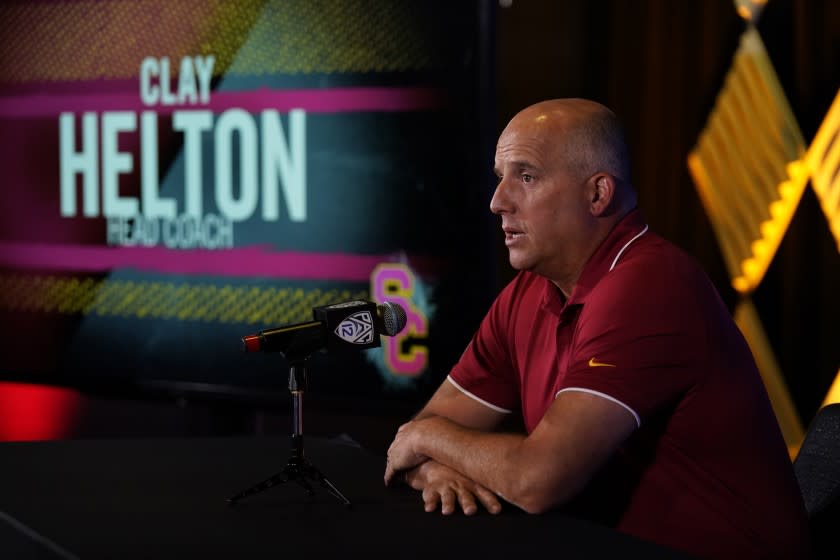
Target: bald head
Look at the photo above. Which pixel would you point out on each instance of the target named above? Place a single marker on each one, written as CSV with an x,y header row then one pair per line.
x,y
587,134
564,183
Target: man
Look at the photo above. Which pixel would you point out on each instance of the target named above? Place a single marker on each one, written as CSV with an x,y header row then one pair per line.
x,y
641,401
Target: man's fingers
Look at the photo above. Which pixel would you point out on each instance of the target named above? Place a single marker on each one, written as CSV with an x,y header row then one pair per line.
x,y
441,486
488,499
467,501
447,502
446,499
389,473
413,479
431,499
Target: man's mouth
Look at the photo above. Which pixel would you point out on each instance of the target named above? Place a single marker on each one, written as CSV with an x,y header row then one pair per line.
x,y
512,234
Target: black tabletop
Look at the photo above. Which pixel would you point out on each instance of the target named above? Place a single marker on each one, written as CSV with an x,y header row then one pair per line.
x,y
167,498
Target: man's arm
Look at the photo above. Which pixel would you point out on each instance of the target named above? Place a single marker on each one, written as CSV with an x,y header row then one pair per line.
x,y
453,404
441,485
577,435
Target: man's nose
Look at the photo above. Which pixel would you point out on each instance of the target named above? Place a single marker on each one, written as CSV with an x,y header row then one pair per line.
x,y
501,203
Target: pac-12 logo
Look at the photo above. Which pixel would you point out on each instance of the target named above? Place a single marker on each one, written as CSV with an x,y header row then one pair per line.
x,y
357,328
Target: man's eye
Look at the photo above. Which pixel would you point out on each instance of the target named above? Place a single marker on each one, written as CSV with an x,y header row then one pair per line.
x,y
527,178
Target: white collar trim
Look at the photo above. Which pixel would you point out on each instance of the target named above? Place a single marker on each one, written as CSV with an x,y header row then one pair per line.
x,y
638,235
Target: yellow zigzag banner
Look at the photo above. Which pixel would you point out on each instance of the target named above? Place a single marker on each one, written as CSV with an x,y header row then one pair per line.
x,y
823,160
746,164
751,167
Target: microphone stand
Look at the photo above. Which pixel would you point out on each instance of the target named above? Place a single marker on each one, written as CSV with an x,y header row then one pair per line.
x,y
298,469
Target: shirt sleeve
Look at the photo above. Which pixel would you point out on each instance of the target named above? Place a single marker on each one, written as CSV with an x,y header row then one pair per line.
x,y
639,341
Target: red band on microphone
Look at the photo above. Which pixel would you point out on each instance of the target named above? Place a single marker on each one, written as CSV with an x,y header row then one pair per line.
x,y
251,343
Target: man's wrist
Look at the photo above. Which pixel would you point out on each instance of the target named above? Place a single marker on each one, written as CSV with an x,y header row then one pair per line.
x,y
426,433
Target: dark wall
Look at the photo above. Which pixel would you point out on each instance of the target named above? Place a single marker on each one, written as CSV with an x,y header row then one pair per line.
x,y
659,64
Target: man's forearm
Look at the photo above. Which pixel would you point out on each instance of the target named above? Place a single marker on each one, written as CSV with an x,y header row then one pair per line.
x,y
574,439
497,461
451,403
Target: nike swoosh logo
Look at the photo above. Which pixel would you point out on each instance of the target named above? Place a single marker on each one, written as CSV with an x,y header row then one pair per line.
x,y
594,363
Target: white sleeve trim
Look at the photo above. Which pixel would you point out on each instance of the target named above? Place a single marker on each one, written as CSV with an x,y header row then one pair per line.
x,y
482,401
604,395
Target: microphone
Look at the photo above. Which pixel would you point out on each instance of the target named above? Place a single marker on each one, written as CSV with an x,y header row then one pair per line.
x,y
341,326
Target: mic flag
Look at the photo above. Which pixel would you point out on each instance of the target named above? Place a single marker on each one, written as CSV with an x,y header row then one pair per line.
x,y
350,325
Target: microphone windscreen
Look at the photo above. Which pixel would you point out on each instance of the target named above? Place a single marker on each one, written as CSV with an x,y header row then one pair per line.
x,y
393,318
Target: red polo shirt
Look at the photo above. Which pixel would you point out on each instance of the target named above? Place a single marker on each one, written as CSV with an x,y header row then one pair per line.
x,y
707,471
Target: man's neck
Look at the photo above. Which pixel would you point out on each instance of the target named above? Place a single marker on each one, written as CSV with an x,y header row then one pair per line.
x,y
566,282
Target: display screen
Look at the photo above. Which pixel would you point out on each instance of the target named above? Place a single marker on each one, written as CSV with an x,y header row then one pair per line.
x,y
177,175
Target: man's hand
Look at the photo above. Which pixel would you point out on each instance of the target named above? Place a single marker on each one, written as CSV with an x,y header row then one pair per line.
x,y
401,454
535,472
443,486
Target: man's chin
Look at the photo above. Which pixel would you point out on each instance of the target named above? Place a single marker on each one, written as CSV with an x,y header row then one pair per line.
x,y
520,263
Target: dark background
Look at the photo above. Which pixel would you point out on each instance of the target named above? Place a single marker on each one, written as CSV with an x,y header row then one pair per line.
x,y
659,64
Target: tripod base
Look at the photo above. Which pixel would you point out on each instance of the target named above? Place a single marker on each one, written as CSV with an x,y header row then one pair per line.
x,y
298,470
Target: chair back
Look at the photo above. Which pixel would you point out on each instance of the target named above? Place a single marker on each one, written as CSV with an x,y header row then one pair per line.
x,y
817,465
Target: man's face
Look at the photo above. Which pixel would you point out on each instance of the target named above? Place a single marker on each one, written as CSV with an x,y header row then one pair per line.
x,y
544,209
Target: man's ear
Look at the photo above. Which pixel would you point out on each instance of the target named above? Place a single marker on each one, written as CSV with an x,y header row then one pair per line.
x,y
602,191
